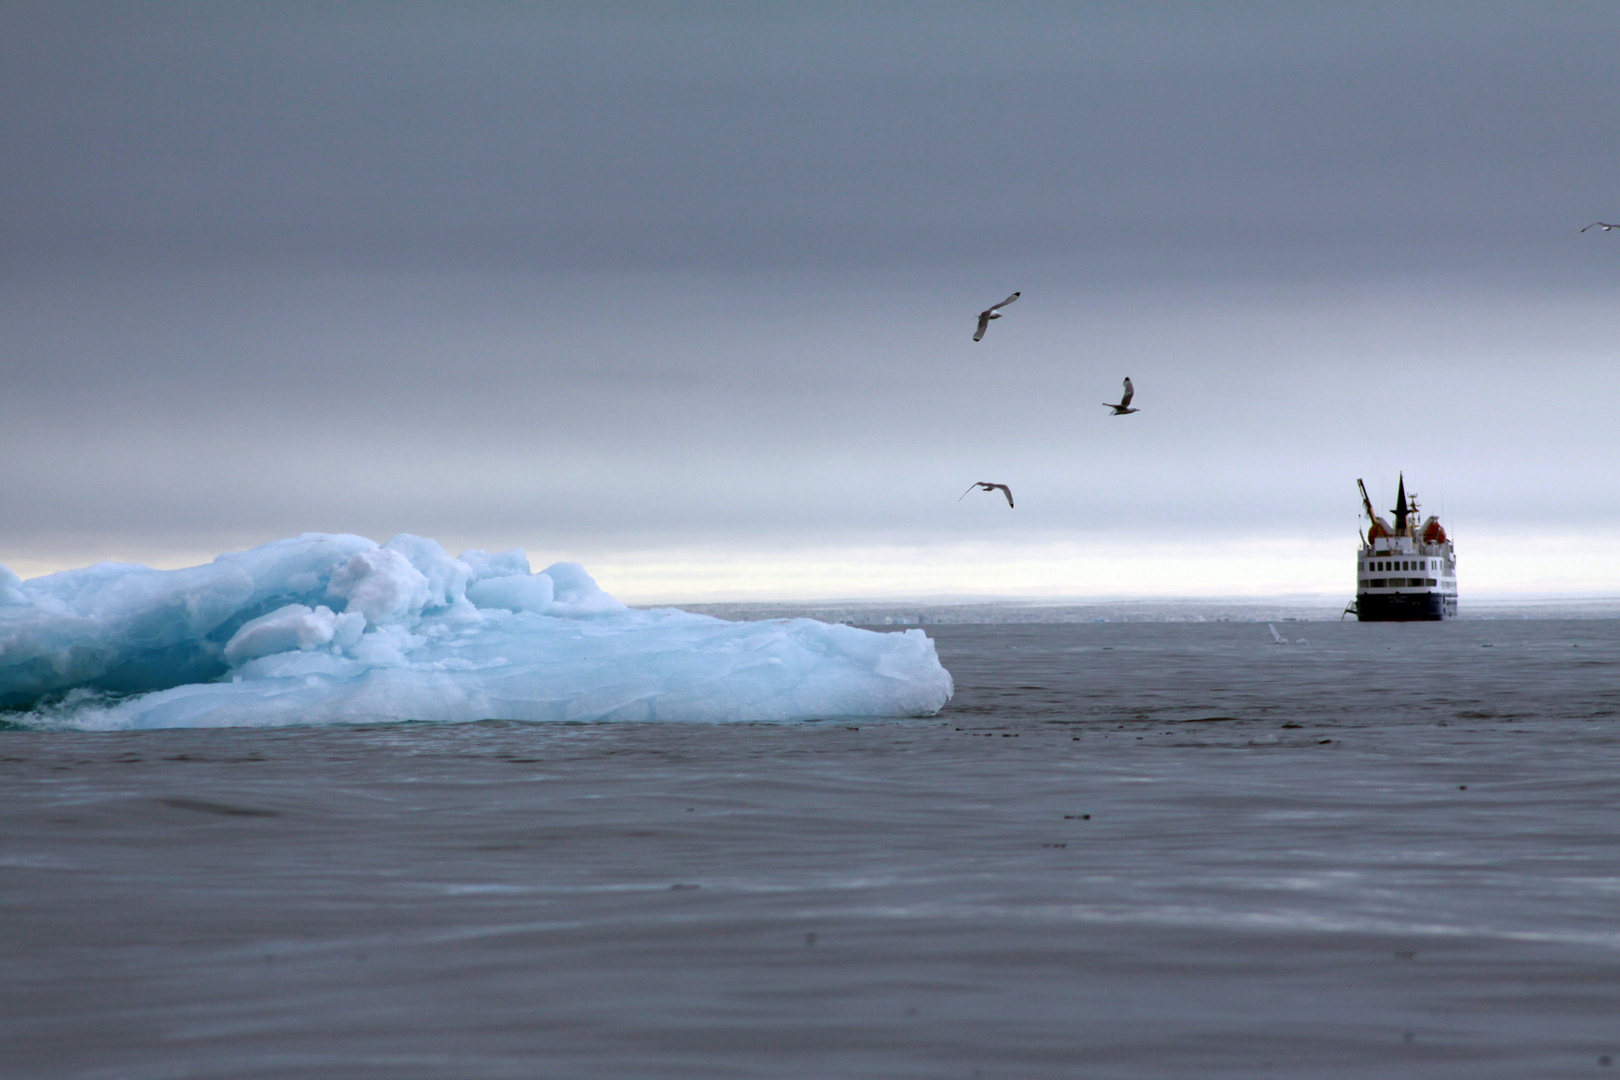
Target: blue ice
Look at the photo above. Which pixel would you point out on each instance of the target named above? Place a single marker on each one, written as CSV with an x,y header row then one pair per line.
x,y
323,629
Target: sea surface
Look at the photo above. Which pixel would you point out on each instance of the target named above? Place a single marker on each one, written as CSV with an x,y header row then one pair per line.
x,y
1125,850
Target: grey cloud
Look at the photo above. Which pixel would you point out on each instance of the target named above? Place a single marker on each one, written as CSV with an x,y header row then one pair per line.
x,y
515,136
664,274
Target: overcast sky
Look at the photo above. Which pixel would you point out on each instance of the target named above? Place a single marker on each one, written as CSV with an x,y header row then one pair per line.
x,y
686,291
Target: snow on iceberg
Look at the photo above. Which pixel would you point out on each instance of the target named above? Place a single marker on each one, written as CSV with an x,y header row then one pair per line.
x,y
324,629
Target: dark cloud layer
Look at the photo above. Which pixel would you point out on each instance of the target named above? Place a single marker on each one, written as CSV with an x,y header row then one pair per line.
x,y
540,136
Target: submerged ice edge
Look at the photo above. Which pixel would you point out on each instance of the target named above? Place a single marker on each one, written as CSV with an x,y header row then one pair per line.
x,y
328,629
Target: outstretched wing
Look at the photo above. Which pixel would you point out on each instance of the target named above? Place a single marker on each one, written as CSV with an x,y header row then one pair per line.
x,y
964,494
1130,392
1005,490
984,321
1004,303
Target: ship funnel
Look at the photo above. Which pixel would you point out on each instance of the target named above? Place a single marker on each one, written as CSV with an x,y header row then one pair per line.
x,y
1400,508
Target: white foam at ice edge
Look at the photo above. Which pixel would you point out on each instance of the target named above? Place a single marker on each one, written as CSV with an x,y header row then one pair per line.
x,y
322,629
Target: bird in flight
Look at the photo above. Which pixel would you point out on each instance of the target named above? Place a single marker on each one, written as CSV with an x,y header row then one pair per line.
x,y
1604,225
1125,402
984,486
992,312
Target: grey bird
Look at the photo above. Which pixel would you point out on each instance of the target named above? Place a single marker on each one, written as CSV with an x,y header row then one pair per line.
x,y
987,486
992,312
1604,225
1124,403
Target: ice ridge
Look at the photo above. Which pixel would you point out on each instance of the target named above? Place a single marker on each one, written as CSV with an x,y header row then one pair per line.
x,y
324,628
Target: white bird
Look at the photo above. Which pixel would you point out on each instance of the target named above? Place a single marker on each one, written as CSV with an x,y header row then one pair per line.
x,y
1276,637
992,312
987,486
1124,403
1604,225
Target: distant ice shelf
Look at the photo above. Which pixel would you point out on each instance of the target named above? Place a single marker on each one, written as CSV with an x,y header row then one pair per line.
x,y
328,629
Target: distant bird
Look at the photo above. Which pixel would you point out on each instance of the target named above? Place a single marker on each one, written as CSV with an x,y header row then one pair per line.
x,y
992,312
984,486
1604,225
1124,403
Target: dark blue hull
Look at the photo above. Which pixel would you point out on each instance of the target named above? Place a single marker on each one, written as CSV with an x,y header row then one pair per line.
x,y
1405,607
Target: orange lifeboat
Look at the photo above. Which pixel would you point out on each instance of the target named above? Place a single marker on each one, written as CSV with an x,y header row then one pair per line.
x,y
1433,533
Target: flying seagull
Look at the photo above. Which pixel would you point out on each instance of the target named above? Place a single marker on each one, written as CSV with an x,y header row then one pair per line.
x,y
1604,225
1124,403
992,312
982,485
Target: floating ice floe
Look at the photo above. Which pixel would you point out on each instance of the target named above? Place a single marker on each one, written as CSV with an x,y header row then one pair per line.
x,y
326,629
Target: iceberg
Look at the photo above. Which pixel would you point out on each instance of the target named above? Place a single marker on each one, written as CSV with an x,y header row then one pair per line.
x,y
330,629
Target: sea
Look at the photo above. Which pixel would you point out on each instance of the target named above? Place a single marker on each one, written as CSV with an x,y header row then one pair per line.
x,y
1126,849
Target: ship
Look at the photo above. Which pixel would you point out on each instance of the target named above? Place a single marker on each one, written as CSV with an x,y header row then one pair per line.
x,y
1406,572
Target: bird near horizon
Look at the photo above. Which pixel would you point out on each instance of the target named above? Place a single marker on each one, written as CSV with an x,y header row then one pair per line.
x,y
1124,403
985,485
992,312
1604,225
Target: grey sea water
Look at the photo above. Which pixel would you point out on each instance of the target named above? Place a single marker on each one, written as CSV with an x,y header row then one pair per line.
x,y
1124,850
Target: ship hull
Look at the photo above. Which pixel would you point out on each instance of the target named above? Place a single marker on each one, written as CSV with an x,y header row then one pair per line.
x,y
1405,607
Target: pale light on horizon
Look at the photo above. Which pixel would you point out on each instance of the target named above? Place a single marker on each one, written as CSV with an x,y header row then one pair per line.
x,y
1493,563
